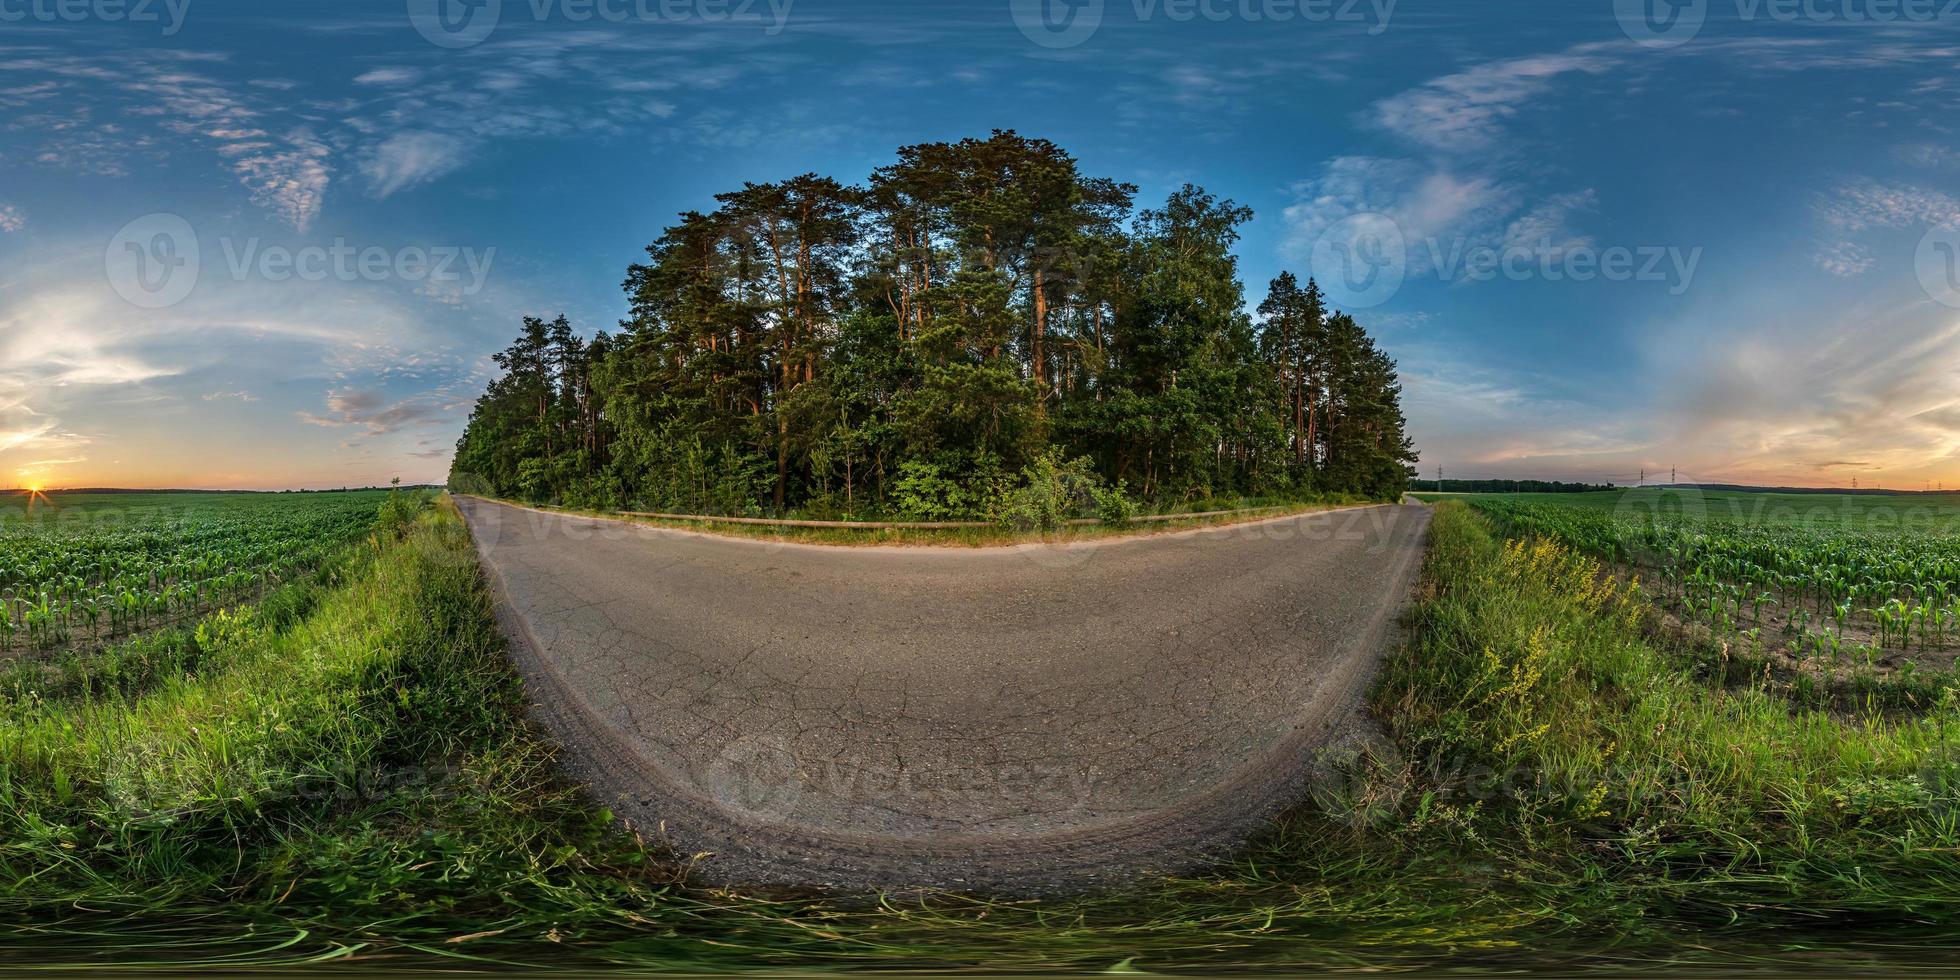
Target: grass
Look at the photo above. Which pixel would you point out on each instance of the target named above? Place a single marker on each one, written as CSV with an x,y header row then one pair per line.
x,y
1934,511
990,537
1529,669
1847,602
357,783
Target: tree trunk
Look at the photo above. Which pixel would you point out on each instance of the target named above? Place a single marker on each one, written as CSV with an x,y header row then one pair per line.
x,y
1040,328
782,459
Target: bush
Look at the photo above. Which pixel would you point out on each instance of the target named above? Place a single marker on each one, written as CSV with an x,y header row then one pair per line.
x,y
400,509
1113,504
923,493
1051,492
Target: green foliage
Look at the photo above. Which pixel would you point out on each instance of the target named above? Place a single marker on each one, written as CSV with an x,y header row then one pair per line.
x,y
1825,585
399,510
80,570
1536,722
973,307
360,782
922,493
1113,504
1050,492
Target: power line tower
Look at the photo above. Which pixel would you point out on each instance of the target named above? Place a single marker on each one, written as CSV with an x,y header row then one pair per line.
x,y
1643,476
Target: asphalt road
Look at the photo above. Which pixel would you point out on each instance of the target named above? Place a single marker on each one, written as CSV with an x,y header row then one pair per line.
x,y
1020,718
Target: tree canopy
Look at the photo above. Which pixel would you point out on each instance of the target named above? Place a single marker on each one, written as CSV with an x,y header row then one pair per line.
x,y
975,318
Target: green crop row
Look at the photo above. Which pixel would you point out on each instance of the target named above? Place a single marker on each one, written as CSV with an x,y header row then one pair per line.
x,y
86,571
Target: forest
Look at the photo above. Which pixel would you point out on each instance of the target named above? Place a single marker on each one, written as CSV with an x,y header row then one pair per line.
x,y
977,328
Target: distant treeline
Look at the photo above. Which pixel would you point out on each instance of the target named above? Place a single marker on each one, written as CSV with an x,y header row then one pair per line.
x,y
1834,491
1544,486
1509,486
976,318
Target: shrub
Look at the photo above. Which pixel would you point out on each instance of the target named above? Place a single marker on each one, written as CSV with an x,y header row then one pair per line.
x,y
1113,504
1051,491
923,493
399,510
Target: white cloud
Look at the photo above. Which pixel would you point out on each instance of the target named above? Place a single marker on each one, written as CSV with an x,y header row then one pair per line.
x,y
388,76
1865,204
1425,201
370,411
1467,110
286,173
407,160
1844,259
11,218
1544,227
1768,395
84,374
290,181
1441,214
1930,156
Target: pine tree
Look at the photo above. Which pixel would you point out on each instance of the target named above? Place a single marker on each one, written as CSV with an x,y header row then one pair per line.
x,y
975,308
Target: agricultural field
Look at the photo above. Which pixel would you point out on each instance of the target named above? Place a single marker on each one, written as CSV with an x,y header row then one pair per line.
x,y
81,570
1828,591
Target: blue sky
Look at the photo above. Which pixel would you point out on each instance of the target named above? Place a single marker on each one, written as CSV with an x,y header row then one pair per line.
x,y
1719,238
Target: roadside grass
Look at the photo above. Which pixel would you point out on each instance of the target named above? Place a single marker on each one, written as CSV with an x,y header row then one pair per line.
x,y
359,785
992,536
1530,711
1795,646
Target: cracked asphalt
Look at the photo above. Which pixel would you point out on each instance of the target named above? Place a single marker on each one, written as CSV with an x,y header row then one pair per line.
x,y
1024,718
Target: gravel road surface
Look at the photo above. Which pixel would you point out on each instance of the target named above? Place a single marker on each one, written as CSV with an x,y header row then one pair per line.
x,y
1023,718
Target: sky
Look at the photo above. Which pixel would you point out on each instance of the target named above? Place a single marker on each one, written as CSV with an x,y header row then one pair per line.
x,y
269,245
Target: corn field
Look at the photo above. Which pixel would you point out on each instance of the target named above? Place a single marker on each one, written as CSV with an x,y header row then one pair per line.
x,y
1821,588
87,569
